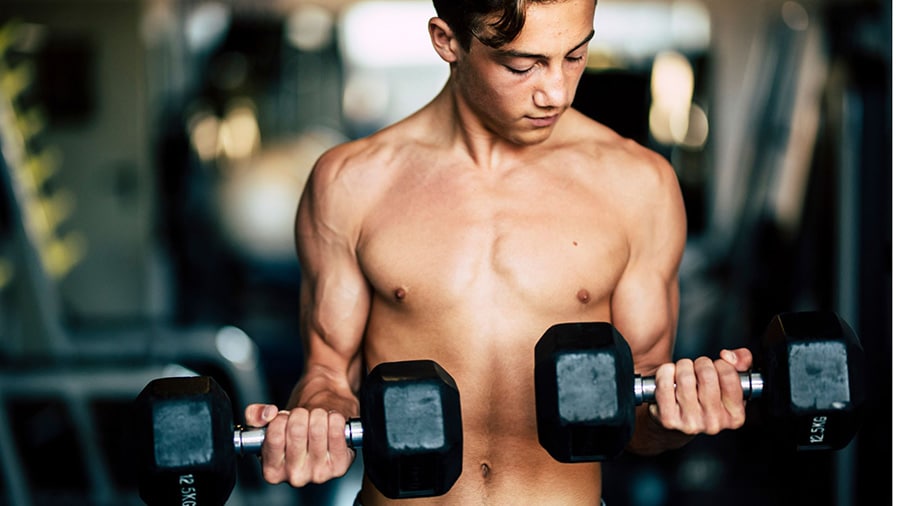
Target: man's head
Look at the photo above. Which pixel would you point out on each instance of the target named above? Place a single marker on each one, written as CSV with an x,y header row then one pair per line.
x,y
493,22
514,71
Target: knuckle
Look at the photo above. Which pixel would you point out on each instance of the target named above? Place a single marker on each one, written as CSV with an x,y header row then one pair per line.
x,y
669,420
713,426
299,478
272,476
685,374
321,475
693,423
318,431
684,363
689,428
707,374
297,430
703,362
724,367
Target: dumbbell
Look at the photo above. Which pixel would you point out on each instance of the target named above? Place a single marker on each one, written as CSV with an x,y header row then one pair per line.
x,y
410,431
810,384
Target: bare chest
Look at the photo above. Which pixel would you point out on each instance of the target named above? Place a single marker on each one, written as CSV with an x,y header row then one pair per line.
x,y
547,243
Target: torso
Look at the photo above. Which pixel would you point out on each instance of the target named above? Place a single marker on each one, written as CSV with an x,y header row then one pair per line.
x,y
469,267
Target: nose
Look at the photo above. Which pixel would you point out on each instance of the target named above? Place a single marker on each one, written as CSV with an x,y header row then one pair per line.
x,y
551,91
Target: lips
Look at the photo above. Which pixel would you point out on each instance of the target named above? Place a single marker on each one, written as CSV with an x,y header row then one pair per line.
x,y
543,121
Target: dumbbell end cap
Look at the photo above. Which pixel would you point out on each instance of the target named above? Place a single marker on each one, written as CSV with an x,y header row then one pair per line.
x,y
814,378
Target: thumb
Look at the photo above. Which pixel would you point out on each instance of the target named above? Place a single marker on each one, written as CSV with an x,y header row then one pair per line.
x,y
729,356
740,358
259,415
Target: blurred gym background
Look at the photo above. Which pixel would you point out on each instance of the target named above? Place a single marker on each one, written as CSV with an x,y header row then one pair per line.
x,y
153,152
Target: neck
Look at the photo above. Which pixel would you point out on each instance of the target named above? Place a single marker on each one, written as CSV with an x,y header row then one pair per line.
x,y
487,149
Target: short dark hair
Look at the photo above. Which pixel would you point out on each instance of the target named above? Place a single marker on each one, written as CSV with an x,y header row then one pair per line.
x,y
493,22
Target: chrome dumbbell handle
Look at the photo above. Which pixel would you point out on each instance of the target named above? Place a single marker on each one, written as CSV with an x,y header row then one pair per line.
x,y
249,441
645,387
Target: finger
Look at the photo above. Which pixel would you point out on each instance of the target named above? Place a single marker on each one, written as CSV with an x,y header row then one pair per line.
x,y
296,457
732,394
317,446
740,358
744,359
709,395
259,415
707,377
686,396
342,455
666,411
273,450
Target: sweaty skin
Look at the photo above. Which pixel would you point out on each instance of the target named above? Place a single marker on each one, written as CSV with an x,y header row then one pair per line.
x,y
460,235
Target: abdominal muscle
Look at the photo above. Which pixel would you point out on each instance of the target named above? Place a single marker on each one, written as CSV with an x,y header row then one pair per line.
x,y
492,361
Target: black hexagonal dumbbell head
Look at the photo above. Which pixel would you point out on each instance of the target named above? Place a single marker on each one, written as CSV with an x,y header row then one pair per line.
x,y
411,416
584,399
814,380
185,448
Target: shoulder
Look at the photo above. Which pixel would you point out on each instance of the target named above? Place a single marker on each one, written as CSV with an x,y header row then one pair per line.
x,y
352,170
346,163
349,180
369,159
636,183
635,171
332,198
647,177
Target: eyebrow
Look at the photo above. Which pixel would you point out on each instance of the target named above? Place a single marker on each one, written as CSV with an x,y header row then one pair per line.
x,y
512,53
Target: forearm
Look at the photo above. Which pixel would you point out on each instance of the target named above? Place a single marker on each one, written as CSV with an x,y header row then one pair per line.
x,y
326,388
333,371
651,438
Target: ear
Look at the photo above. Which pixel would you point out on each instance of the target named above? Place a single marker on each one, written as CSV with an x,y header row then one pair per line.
x,y
443,40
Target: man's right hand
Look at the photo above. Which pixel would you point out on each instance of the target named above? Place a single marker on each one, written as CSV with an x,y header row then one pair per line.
x,y
301,446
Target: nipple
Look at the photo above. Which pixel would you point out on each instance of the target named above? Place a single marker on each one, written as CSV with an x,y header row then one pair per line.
x,y
584,296
399,294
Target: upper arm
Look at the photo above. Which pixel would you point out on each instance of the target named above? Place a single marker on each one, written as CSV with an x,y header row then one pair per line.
x,y
645,301
334,295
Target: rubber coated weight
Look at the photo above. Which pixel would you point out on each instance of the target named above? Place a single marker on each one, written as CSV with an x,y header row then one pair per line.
x,y
582,413
184,434
814,365
412,423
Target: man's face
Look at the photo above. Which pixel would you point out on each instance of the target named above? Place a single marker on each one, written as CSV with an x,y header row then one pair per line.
x,y
519,90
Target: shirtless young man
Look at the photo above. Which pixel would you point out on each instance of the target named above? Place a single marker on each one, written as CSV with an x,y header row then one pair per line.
x,y
462,233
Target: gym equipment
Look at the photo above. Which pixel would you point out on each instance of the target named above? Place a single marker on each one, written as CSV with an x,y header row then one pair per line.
x,y
811,384
410,413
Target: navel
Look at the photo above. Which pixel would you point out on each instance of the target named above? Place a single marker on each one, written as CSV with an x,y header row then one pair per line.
x,y
485,470
399,294
584,296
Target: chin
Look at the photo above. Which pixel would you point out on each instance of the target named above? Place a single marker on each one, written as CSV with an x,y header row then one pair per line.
x,y
532,137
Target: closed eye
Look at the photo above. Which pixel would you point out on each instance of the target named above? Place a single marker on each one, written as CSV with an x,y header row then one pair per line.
x,y
519,72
